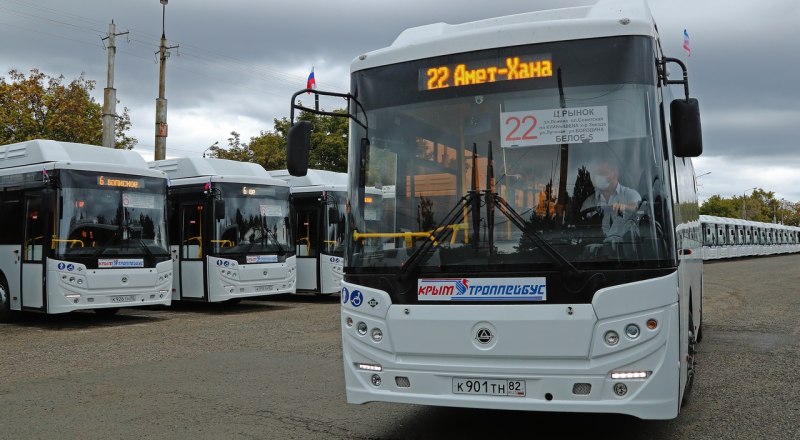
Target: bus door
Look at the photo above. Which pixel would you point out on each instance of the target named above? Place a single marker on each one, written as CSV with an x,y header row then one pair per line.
x,y
307,217
192,254
37,223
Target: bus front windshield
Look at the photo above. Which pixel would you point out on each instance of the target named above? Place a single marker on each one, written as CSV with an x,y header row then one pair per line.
x,y
111,216
562,158
255,221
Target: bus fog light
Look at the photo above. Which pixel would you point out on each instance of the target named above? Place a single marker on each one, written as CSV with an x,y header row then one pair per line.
x,y
630,374
377,334
376,380
620,389
349,321
72,296
611,337
632,331
369,367
361,327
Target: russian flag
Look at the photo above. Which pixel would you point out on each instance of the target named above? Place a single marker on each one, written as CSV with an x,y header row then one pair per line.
x,y
312,83
685,44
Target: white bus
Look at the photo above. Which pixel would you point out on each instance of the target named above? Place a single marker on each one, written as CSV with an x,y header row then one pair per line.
x,y
546,251
730,238
82,227
318,218
230,230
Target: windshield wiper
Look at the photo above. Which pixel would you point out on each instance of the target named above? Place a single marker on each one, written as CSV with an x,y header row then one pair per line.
x,y
472,200
274,238
492,200
437,234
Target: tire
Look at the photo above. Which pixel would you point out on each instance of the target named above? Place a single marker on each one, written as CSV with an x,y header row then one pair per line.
x,y
110,311
5,303
691,360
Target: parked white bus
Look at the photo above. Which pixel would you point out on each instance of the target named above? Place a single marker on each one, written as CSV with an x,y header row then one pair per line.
x,y
546,251
318,205
82,227
230,229
725,237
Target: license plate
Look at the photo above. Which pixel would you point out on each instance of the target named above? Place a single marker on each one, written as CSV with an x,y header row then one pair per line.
x,y
489,387
263,288
123,299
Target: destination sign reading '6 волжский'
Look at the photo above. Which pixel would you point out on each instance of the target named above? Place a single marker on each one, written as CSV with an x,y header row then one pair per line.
x,y
485,71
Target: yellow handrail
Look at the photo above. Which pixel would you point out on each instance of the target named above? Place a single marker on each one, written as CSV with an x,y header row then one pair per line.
x,y
223,242
72,242
199,240
409,236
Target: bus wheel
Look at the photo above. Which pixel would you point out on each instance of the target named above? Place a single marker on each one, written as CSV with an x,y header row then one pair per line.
x,y
107,311
691,359
5,303
700,327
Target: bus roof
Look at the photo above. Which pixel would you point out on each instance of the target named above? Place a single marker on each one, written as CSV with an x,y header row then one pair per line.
x,y
42,151
314,178
225,170
603,19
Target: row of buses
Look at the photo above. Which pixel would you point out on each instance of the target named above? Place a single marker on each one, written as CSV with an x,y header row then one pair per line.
x,y
731,237
90,228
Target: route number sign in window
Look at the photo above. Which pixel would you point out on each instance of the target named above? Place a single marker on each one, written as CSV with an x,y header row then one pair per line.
x,y
554,126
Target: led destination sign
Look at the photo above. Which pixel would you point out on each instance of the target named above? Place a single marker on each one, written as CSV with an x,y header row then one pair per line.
x,y
119,182
485,71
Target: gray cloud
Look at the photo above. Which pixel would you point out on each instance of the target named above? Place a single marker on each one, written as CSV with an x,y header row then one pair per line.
x,y
240,61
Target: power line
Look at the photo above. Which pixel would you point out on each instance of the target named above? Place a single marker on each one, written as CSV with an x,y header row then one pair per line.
x,y
212,58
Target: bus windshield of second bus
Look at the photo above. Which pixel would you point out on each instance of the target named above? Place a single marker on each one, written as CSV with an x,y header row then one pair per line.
x,y
556,137
105,217
255,222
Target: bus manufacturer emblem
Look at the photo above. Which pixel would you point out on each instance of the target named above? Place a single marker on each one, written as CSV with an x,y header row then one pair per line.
x,y
484,335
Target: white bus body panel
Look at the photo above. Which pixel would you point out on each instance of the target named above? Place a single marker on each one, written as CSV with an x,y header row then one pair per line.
x,y
99,287
543,345
600,20
331,273
228,279
192,279
10,265
32,276
307,268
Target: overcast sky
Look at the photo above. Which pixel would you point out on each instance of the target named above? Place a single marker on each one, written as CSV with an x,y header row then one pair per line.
x,y
239,61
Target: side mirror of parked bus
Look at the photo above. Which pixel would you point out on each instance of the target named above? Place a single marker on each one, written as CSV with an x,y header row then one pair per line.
x,y
687,138
333,215
298,143
219,209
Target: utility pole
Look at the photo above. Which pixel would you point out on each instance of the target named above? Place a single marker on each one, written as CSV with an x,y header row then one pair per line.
x,y
161,102
110,93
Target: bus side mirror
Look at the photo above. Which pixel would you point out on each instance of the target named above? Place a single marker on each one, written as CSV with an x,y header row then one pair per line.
x,y
219,209
687,137
333,215
298,143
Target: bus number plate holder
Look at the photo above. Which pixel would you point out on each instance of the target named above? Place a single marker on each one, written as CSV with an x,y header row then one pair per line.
x,y
489,387
123,298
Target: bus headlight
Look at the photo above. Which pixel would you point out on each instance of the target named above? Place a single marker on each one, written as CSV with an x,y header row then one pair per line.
x,y
377,334
632,331
611,337
361,327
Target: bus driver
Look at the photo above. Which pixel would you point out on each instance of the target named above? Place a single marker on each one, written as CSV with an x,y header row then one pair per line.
x,y
611,201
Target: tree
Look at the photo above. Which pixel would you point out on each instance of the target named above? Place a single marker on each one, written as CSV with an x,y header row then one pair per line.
x,y
721,207
328,144
39,106
760,206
